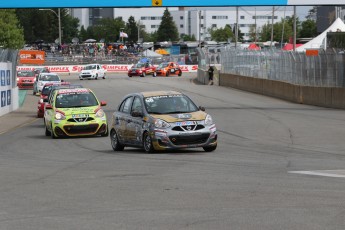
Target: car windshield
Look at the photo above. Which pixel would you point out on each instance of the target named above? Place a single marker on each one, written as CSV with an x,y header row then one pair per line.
x,y
47,89
139,65
162,65
89,67
166,104
51,77
75,99
25,74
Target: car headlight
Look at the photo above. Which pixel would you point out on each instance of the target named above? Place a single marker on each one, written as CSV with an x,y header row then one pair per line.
x,y
59,116
161,124
17,78
100,113
208,120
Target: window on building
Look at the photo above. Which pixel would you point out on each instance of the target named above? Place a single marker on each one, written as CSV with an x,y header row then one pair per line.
x,y
181,17
214,25
220,17
181,25
241,17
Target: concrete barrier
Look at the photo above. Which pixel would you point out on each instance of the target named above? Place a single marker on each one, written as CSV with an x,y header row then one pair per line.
x,y
330,97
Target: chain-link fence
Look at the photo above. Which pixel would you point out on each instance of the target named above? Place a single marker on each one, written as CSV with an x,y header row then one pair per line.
x,y
327,69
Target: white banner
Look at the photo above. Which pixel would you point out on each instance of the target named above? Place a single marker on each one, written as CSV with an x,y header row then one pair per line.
x,y
6,91
109,68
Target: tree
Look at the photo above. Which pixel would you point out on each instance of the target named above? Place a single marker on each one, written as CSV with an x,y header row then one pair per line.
x,y
107,29
132,29
167,30
186,37
308,30
221,34
11,34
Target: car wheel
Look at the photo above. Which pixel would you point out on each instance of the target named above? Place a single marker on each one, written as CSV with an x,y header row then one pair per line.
x,y
210,148
180,73
52,133
33,92
104,76
143,74
147,143
167,74
96,77
129,75
154,74
47,131
115,144
105,134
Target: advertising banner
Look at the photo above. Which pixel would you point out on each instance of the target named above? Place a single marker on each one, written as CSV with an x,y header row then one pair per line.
x,y
6,93
31,57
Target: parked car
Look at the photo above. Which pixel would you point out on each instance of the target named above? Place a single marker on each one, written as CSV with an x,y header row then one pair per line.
x,y
44,78
25,79
46,91
41,69
169,68
74,112
92,71
142,69
161,120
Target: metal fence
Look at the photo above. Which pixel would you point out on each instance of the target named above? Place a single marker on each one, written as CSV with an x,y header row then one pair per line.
x,y
327,69
10,56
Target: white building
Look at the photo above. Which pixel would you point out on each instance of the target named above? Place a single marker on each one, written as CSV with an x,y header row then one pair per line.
x,y
193,20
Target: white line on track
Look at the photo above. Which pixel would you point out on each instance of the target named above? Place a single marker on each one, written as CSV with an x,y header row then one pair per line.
x,y
327,173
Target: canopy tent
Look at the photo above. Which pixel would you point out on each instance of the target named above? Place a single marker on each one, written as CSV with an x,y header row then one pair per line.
x,y
253,46
320,41
289,46
150,53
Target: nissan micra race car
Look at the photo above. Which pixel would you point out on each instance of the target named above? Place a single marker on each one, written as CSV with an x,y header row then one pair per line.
x,y
161,120
74,112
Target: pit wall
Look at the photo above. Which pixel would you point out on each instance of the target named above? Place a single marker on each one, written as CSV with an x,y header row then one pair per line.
x,y
329,97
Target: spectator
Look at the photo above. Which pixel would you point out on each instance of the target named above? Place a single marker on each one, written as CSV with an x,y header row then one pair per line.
x,y
210,75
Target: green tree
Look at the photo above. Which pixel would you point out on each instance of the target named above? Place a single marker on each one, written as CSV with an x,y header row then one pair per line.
x,y
167,30
308,30
83,34
221,34
107,29
132,29
69,28
11,33
186,37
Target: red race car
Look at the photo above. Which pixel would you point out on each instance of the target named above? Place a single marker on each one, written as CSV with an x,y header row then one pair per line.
x,y
25,79
47,88
142,69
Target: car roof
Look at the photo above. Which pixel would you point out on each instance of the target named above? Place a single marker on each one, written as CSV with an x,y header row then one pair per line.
x,y
49,74
160,93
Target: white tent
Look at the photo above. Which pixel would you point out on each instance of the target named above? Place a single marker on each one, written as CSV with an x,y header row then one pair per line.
x,y
150,53
320,41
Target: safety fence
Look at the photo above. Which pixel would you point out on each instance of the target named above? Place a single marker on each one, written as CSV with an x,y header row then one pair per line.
x,y
325,69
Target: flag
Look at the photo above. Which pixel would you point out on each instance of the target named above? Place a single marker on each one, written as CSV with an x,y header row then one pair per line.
x,y
123,35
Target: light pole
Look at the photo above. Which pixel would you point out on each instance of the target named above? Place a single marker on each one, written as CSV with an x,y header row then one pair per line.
x,y
121,29
58,15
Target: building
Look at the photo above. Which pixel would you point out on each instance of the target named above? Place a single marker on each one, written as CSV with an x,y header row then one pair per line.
x,y
191,20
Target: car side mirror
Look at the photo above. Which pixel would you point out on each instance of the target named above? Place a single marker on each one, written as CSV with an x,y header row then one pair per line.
x,y
49,106
202,108
103,103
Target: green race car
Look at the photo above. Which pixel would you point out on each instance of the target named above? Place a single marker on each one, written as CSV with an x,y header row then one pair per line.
x,y
74,112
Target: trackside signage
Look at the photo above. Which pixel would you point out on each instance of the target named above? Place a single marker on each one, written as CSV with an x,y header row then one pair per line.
x,y
109,68
5,88
165,3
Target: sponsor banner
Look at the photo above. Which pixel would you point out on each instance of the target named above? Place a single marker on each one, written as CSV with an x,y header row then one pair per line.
x,y
31,57
6,92
109,68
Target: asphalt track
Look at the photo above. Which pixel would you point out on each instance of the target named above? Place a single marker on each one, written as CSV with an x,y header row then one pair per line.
x,y
278,165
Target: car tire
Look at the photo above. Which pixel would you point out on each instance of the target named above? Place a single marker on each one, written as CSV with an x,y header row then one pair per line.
x,y
167,73
105,134
147,143
180,73
210,148
154,74
48,133
143,74
104,76
96,77
129,75
115,143
52,133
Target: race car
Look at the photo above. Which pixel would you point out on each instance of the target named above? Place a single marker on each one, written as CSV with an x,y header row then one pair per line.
x,y
169,68
142,69
25,79
44,78
74,112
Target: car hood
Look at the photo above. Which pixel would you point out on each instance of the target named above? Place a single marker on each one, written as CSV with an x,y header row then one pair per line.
x,y
198,115
79,110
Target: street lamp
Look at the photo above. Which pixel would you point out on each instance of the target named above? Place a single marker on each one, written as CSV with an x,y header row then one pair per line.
x,y
59,18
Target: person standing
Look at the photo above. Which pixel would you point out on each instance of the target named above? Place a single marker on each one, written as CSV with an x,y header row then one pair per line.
x,y
210,75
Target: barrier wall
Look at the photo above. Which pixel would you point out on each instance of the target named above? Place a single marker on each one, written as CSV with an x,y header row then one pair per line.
x,y
320,96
